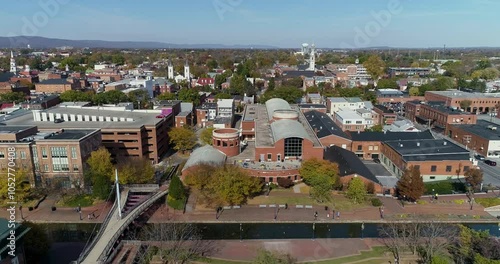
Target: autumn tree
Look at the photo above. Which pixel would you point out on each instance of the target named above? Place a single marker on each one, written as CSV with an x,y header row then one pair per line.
x,y
474,177
183,138
135,171
414,91
464,104
206,135
356,191
321,175
100,172
224,185
375,66
19,185
411,185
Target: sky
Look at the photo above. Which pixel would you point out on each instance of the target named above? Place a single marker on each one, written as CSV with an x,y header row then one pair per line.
x,y
281,23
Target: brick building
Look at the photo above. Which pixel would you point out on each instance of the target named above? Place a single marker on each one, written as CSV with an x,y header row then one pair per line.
x,y
385,116
328,133
482,137
437,159
479,102
50,156
125,133
437,114
57,85
368,145
42,102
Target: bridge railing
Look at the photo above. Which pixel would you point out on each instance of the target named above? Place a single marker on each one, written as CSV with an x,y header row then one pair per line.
x,y
139,186
103,227
99,234
139,210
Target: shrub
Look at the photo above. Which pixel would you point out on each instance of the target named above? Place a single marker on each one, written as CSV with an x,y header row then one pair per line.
x,y
488,202
421,202
444,187
376,202
285,182
370,188
176,204
459,201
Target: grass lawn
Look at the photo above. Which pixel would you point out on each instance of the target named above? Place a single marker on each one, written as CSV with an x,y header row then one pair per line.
x,y
287,196
219,261
82,200
376,252
488,202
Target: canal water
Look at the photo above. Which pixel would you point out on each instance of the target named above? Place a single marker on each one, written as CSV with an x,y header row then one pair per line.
x,y
68,240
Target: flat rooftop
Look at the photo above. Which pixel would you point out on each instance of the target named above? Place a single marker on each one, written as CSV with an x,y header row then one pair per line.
x,y
138,118
462,94
349,114
70,134
13,129
483,129
429,149
384,109
250,113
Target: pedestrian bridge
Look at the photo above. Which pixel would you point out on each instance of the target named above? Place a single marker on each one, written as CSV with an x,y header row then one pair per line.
x,y
113,226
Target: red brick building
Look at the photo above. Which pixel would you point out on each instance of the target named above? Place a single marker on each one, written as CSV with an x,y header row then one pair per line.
x,y
437,114
385,115
479,102
57,85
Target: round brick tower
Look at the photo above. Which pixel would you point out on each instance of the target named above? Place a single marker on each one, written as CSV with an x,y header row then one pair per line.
x,y
227,140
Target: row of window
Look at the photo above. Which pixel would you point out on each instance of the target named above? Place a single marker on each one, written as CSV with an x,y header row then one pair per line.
x,y
448,168
375,147
57,167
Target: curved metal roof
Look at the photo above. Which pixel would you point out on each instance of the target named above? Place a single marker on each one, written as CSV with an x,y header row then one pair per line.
x,y
276,104
288,129
205,155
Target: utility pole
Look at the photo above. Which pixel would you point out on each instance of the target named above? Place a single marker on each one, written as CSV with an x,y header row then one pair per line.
x,y
118,194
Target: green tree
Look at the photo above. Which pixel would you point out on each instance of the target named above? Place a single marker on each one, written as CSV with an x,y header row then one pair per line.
x,y
234,186
206,135
411,185
375,66
271,85
189,95
321,175
76,96
223,96
183,138
212,64
414,91
36,243
176,193
356,190
375,128
270,257
287,93
100,172
387,83
166,96
15,97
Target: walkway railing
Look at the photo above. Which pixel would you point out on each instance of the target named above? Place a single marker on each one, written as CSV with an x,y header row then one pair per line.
x,y
129,218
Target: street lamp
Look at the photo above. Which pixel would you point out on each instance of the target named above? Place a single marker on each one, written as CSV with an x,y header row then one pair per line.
x,y
80,211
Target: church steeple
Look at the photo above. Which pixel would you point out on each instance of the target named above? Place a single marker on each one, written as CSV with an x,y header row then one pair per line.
x,y
187,73
13,66
170,70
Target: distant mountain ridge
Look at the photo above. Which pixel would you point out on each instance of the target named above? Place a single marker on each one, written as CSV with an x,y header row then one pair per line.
x,y
42,42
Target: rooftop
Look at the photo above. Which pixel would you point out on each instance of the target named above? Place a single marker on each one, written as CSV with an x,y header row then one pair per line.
x,y
68,134
483,129
384,109
323,125
353,100
461,94
13,129
441,107
348,114
337,99
134,118
428,149
306,106
276,104
205,155
288,129
389,136
348,163
54,81
250,113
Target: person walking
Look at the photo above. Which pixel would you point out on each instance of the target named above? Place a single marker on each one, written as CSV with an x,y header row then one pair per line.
x,y
338,214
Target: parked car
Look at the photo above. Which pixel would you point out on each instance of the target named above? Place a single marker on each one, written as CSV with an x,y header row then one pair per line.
x,y
376,160
59,120
490,162
479,157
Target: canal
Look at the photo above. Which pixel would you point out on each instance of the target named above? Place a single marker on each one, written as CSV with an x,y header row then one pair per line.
x,y
68,240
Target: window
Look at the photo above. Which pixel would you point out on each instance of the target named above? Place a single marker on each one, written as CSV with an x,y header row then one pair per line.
x,y
375,147
75,167
269,156
73,152
433,168
370,147
56,167
293,147
448,168
2,155
360,147
433,177
44,153
23,155
46,167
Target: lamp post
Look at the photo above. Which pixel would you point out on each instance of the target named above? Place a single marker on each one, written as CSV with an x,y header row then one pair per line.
x,y
314,228
241,231
21,209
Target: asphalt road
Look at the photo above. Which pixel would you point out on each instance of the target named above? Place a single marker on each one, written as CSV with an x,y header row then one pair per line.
x,y
491,174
